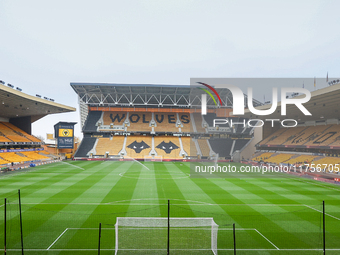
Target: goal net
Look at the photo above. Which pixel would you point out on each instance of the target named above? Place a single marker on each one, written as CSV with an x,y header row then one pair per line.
x,y
135,235
153,158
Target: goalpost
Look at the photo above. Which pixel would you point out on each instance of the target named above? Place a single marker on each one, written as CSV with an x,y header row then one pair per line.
x,y
153,158
214,159
137,234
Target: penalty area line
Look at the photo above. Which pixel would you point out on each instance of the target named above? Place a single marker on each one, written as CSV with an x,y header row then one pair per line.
x,y
266,238
321,212
57,239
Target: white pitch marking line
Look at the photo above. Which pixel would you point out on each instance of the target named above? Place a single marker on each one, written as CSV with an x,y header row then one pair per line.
x,y
321,212
123,202
266,239
176,249
56,239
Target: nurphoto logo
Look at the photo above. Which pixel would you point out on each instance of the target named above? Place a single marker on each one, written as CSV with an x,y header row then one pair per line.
x,y
239,104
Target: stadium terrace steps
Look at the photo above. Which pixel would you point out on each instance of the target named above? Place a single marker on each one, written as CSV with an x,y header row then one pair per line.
x,y
138,146
91,121
20,132
301,159
13,157
114,117
146,121
205,149
110,145
32,155
198,122
10,133
184,118
320,135
186,145
140,122
281,158
85,147
263,156
240,143
168,147
165,122
222,146
328,161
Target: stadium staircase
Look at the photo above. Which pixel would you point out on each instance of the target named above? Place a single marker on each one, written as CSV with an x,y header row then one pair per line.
x,y
85,147
91,121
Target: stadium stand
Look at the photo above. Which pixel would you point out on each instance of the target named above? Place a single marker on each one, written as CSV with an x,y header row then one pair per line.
x,y
111,145
91,121
114,117
193,150
321,135
220,146
3,139
300,159
187,146
209,118
184,118
327,161
22,133
138,146
140,122
165,122
198,122
33,155
3,162
205,149
86,145
328,136
307,134
240,143
279,158
11,134
131,110
167,147
263,156
14,157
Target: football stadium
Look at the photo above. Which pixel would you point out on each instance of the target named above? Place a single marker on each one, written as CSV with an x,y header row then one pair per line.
x,y
132,185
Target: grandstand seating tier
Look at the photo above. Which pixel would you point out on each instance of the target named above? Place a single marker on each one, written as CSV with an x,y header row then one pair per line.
x,y
111,145
138,146
140,122
168,147
184,118
205,149
321,135
11,133
198,122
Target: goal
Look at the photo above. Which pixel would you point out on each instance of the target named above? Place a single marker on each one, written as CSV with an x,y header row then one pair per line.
x,y
138,234
153,158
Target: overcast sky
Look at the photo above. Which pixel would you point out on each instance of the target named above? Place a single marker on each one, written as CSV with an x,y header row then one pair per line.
x,y
45,45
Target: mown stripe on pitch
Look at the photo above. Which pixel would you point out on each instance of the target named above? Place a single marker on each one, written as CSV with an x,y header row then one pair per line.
x,y
98,214
49,215
168,189
276,221
220,194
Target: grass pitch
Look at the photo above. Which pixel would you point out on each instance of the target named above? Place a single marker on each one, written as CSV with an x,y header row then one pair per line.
x,y
63,204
